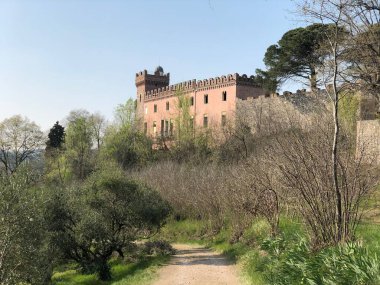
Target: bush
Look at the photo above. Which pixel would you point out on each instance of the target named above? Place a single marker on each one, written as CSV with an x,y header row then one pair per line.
x,y
90,222
296,263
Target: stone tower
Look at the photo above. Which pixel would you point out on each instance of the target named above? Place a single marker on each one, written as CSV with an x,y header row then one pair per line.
x,y
146,82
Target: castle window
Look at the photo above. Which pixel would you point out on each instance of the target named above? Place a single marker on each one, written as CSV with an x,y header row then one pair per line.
x,y
140,97
166,127
205,99
191,101
162,127
224,96
167,106
205,121
145,127
224,119
155,108
154,128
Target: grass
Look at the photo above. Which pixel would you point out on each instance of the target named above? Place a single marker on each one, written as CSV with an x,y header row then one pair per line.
x,y
139,273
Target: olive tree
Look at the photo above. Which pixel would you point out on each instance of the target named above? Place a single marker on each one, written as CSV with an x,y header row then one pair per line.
x,y
89,223
24,258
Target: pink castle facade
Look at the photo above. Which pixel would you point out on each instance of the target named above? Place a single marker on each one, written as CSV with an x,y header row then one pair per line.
x,y
212,101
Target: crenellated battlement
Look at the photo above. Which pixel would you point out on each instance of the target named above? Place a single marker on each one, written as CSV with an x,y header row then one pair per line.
x,y
200,85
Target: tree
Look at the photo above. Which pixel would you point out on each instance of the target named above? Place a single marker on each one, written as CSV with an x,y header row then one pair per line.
x,y
296,55
56,136
338,77
88,224
24,259
362,22
55,162
124,142
125,114
127,146
98,123
20,141
191,143
79,142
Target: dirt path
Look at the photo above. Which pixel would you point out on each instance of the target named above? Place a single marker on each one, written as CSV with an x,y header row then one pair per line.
x,y
195,265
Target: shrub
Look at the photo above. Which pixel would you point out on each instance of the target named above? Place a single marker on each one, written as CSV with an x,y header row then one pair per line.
x,y
296,263
89,223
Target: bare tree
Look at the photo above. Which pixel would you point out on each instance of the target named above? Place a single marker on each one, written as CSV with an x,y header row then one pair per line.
x,y
20,140
338,77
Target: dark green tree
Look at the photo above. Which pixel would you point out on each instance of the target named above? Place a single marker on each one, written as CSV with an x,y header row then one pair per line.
x,y
296,55
56,136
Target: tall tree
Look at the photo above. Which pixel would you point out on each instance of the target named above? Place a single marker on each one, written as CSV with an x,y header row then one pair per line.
x,y
125,114
123,141
99,124
79,142
339,78
296,56
56,136
20,140
55,163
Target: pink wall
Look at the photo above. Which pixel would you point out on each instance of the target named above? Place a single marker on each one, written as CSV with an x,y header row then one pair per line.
x,y
213,109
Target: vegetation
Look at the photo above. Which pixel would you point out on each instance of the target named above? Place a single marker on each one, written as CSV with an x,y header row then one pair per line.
x,y
298,54
89,223
280,189
139,272
20,141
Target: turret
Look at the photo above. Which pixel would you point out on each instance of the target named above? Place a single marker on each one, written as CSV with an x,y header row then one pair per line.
x,y
146,82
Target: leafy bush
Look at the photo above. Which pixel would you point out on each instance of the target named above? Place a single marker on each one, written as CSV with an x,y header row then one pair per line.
x,y
296,263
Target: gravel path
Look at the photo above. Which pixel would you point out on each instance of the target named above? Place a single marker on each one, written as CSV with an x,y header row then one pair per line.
x,y
195,265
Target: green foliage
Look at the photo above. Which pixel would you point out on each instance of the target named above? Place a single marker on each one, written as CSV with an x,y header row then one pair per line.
x,y
184,126
79,141
138,273
56,136
24,256
296,263
191,144
349,107
296,55
127,146
266,80
124,142
90,222
125,114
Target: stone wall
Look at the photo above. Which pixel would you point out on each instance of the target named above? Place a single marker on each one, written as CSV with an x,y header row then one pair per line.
x,y
368,140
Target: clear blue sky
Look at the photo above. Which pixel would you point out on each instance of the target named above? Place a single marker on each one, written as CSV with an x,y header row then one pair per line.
x,y
60,55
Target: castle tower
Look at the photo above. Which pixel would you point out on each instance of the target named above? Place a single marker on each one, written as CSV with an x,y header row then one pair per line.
x,y
146,82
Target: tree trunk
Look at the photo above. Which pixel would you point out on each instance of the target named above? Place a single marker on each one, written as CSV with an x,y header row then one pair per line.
x,y
313,80
334,156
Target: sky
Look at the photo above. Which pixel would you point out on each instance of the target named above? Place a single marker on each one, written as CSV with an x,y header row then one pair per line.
x,y
62,55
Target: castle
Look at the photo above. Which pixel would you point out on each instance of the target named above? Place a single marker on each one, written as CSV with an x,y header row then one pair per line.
x,y
212,102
